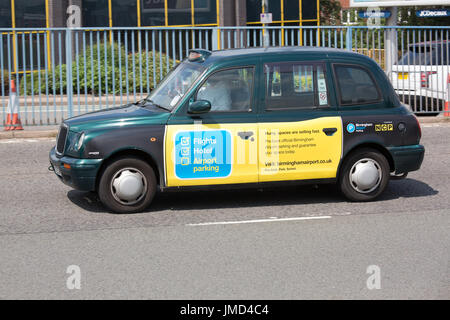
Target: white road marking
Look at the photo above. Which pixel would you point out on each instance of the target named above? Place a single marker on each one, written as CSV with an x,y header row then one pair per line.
x,y
344,213
272,219
18,140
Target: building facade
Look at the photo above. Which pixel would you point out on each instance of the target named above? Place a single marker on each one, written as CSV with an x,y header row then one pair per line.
x,y
24,51
154,13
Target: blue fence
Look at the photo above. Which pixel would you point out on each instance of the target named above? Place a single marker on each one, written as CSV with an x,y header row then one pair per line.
x,y
62,72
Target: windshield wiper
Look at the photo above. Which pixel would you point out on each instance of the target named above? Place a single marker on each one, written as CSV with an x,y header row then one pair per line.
x,y
157,105
145,100
140,102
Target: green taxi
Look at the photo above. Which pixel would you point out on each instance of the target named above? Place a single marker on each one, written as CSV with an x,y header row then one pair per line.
x,y
241,118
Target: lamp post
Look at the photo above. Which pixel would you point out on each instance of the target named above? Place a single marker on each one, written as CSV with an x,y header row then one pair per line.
x,y
391,45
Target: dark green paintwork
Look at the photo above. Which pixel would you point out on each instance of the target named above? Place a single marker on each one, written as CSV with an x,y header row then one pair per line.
x,y
110,124
82,174
407,158
200,106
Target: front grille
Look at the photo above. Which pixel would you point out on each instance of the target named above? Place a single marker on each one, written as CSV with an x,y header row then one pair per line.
x,y
61,139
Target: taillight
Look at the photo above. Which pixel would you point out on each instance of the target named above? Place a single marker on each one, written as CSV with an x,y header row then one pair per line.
x,y
425,78
418,126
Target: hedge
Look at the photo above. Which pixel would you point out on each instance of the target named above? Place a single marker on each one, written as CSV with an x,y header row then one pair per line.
x,y
94,78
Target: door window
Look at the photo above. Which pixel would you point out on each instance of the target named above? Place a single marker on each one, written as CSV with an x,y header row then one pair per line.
x,y
356,85
295,85
228,90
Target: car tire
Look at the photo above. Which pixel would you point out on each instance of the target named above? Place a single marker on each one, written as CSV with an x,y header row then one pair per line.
x,y
127,185
364,175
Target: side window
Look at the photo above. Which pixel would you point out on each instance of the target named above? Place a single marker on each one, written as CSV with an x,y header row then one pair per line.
x,y
228,90
356,85
294,85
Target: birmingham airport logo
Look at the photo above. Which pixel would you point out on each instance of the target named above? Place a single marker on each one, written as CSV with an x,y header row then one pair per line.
x,y
351,128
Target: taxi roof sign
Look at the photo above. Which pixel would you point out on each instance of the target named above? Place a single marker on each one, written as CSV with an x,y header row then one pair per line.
x,y
198,55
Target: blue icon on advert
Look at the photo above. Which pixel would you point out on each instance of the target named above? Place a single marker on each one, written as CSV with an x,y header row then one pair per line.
x,y
203,154
351,128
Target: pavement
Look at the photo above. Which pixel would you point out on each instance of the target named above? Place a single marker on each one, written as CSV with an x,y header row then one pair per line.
x,y
31,132
278,243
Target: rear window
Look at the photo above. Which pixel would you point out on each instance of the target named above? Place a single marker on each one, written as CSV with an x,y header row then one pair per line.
x,y
425,56
356,85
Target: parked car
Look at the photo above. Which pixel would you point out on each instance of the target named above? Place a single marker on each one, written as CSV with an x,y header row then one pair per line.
x,y
420,76
246,117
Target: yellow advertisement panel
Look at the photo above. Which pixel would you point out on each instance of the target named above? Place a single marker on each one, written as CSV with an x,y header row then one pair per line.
x,y
300,150
209,154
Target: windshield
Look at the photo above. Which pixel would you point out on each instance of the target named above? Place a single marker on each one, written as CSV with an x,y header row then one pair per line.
x,y
175,85
424,56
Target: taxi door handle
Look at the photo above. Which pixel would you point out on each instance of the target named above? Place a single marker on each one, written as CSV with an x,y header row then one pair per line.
x,y
329,131
245,135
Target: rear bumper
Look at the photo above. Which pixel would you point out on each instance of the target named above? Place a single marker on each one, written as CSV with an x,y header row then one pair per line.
x,y
82,173
407,158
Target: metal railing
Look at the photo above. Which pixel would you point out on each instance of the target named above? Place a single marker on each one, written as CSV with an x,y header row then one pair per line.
x,y
61,72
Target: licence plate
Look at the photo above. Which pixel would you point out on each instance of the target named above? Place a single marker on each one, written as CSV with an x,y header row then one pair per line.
x,y
403,75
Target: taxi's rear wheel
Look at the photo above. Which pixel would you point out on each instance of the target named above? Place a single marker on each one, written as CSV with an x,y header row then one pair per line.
x,y
365,175
127,185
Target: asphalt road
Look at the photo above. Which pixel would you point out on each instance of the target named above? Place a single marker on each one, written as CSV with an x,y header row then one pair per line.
x,y
285,243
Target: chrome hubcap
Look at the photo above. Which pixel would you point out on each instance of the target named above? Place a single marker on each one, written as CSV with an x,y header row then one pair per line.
x,y
128,186
365,175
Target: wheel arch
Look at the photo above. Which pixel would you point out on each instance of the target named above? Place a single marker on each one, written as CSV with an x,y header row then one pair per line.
x,y
135,152
369,145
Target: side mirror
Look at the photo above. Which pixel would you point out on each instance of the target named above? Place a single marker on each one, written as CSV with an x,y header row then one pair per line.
x,y
199,106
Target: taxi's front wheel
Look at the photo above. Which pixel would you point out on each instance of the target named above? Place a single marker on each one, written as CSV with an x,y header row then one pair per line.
x,y
127,185
365,175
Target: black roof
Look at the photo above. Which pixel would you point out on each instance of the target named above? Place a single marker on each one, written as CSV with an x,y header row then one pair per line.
x,y
259,51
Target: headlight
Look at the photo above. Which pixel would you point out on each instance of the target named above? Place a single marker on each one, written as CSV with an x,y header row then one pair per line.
x,y
79,142
75,141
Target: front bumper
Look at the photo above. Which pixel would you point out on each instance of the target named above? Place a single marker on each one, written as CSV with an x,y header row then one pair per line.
x,y
407,158
82,173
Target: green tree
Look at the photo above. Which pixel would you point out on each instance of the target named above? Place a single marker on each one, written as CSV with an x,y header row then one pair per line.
x,y
330,12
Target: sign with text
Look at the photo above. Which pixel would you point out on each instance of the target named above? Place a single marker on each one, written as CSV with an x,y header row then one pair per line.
x,y
374,14
203,154
266,18
434,13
